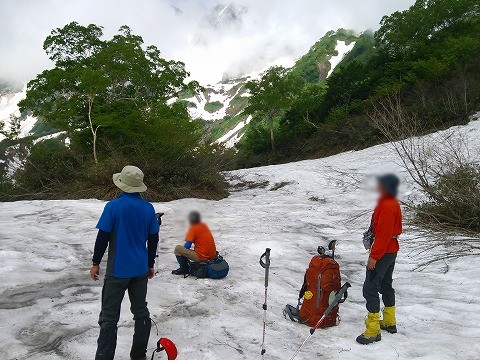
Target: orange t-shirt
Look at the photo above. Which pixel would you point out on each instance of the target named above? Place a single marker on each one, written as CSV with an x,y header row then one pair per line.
x,y
201,236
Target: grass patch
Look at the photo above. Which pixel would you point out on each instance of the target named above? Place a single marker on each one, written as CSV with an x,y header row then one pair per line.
x,y
280,185
235,89
243,185
237,105
187,104
212,107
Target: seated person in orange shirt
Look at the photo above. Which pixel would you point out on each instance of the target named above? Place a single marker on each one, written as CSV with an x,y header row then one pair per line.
x,y
201,238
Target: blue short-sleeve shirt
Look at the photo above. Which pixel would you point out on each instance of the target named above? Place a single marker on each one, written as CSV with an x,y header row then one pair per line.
x,y
130,220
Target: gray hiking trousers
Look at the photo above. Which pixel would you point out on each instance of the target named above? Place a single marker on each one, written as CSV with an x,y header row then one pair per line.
x,y
380,280
112,295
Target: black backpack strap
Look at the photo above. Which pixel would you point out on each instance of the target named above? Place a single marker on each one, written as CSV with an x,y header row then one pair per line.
x,y
304,288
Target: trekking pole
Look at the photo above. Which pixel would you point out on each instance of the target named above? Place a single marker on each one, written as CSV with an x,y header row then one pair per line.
x,y
265,263
340,297
159,218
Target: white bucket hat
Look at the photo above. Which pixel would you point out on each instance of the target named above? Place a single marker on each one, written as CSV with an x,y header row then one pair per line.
x,y
130,180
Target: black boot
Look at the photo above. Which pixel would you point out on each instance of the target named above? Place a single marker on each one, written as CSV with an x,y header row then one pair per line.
x,y
364,340
140,339
184,268
107,342
391,329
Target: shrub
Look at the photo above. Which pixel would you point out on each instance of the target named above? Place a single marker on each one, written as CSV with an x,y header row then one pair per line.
x,y
213,106
187,104
454,199
49,166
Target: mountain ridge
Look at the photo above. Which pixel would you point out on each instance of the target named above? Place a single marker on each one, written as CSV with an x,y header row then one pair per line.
x,y
220,106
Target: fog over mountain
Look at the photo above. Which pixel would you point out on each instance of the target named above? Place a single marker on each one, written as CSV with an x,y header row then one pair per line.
x,y
214,39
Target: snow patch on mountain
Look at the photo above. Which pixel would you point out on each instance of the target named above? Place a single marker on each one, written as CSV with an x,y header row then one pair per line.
x,y
233,136
226,93
51,136
220,92
9,107
343,49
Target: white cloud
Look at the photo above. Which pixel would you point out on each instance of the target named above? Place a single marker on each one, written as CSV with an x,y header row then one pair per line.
x,y
247,36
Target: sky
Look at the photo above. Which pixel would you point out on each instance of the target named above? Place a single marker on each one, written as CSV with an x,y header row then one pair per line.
x,y
215,39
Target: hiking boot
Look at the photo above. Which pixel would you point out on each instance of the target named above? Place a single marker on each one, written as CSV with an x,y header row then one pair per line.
x,y
372,332
184,268
362,339
180,271
390,329
389,321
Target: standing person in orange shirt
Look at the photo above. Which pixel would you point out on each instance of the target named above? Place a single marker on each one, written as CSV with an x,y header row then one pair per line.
x,y
385,228
200,236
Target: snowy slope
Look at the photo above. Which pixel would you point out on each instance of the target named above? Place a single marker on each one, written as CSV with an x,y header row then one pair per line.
x,y
49,307
343,49
9,107
220,92
232,137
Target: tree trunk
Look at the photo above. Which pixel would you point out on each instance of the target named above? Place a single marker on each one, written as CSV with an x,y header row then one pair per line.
x,y
92,129
272,135
95,157
465,93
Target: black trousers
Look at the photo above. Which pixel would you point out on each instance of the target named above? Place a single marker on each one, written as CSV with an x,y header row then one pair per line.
x,y
112,295
380,280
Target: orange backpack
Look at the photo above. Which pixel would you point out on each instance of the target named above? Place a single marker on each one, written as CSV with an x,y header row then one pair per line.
x,y
322,281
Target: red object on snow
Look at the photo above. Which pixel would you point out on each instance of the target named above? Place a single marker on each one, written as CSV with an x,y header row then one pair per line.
x,y
169,347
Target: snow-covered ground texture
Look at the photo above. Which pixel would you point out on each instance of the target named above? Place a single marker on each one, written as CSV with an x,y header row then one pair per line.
x,y
49,306
9,107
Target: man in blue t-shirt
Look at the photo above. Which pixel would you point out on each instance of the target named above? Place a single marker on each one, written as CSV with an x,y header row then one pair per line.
x,y
129,228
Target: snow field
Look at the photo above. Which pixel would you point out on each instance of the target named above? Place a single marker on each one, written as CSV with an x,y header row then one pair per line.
x,y
49,306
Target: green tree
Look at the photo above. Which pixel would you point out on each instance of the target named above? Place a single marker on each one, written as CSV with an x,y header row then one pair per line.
x,y
404,31
272,95
94,78
12,130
